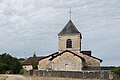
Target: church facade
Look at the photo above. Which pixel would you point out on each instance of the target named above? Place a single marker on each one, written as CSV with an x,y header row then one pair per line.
x,y
69,57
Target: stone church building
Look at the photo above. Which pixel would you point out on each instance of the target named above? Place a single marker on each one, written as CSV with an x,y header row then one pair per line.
x,y
69,57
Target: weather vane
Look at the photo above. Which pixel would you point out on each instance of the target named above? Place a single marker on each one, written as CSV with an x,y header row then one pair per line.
x,y
70,12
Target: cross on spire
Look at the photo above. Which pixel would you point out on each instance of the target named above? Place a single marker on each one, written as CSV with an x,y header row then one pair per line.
x,y
70,12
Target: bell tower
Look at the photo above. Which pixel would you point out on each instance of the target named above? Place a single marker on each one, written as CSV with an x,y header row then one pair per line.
x,y
69,38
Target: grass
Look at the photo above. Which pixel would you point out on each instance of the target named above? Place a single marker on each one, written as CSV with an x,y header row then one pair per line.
x,y
54,78
3,77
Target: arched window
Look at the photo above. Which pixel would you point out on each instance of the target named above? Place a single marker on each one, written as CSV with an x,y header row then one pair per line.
x,y
69,43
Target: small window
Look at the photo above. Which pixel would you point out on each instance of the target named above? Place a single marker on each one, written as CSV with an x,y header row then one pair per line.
x,y
69,43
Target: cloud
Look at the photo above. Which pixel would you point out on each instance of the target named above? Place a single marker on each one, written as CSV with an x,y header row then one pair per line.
x,y
32,25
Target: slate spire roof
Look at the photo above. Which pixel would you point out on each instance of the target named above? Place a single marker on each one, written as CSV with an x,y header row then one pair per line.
x,y
69,29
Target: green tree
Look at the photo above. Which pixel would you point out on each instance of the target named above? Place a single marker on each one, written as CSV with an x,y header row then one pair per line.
x,y
34,61
21,59
9,63
116,70
3,67
16,65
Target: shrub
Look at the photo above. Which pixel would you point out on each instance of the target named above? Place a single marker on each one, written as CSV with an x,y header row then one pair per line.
x,y
9,64
116,70
21,71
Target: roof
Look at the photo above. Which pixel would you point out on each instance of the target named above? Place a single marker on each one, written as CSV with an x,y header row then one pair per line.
x,y
52,55
69,29
96,58
88,53
29,60
67,51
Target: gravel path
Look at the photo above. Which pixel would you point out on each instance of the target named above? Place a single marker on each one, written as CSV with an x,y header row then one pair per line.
x,y
15,77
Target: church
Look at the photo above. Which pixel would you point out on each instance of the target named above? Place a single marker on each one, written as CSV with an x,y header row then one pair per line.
x,y
69,56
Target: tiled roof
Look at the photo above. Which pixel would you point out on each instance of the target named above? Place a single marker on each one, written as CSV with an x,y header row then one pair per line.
x,y
67,51
88,53
69,29
29,60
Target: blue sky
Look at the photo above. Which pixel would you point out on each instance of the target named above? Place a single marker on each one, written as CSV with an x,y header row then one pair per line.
x,y
28,26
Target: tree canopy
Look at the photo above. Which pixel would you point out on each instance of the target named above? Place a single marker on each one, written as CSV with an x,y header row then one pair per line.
x,y
9,64
116,70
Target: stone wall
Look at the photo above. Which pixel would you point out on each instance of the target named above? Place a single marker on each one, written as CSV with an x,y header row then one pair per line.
x,y
91,61
76,43
43,64
74,74
67,62
64,62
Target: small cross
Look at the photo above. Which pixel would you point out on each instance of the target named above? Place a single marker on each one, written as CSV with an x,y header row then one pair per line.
x,y
70,12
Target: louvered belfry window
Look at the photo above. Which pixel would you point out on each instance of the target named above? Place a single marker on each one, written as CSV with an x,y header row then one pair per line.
x,y
69,43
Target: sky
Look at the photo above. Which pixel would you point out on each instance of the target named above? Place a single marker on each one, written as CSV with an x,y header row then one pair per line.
x,y
28,26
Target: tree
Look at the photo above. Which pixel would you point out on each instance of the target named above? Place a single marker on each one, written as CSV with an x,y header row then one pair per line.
x,y
9,63
3,67
16,65
21,59
34,61
116,70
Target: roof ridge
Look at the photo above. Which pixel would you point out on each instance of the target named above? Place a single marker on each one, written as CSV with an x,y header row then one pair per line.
x,y
67,51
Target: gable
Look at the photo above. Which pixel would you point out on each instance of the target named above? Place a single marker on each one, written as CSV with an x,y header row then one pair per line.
x,y
67,57
66,61
66,52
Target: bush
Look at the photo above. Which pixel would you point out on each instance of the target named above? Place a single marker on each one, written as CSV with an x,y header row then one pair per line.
x,y
116,70
21,71
9,64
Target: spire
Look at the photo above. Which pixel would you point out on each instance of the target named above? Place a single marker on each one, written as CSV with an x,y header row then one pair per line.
x,y
69,29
